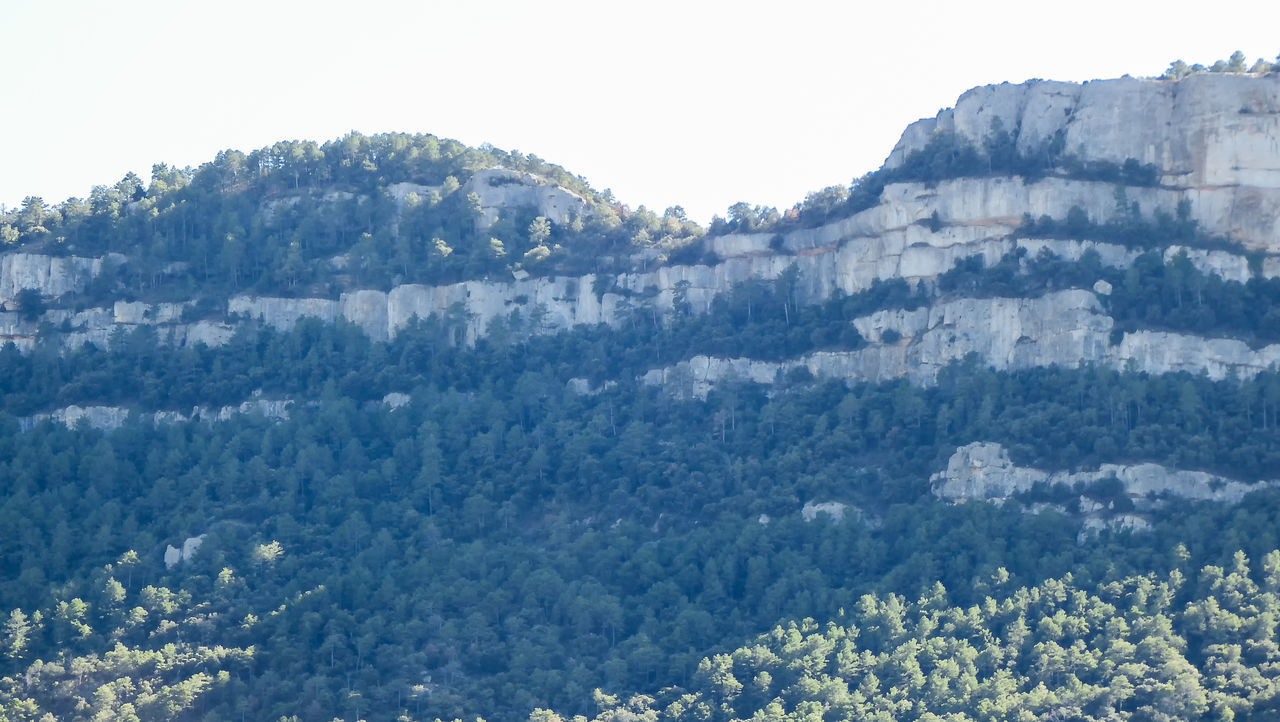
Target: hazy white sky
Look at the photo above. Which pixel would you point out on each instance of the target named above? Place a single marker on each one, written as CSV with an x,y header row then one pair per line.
x,y
700,104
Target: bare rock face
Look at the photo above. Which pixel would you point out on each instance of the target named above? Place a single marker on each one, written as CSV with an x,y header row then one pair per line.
x,y
1212,137
98,417
1094,523
283,313
270,408
982,471
979,216
107,418
1065,328
833,509
136,312
1202,130
190,546
98,325
396,399
18,331
847,255
499,189
368,310
50,275
209,333
173,556
401,191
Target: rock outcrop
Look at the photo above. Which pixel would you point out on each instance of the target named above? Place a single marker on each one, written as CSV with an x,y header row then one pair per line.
x,y
1213,138
979,217
173,556
396,399
833,509
982,471
1202,130
1065,328
558,303
49,275
107,418
499,189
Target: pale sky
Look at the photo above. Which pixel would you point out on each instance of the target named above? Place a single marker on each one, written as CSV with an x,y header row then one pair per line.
x,y
699,104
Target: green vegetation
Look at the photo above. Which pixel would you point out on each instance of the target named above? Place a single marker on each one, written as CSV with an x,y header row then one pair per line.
x,y
1144,647
1235,64
1130,228
535,523
502,544
300,218
1150,294
947,155
760,320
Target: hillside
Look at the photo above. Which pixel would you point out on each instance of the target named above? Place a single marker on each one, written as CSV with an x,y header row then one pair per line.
x,y
390,427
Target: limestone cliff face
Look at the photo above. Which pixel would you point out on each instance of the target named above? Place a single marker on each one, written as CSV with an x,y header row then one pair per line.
x,y
1213,138
499,188
107,418
1203,130
1066,328
1207,148
911,252
549,303
979,216
555,303
983,471
50,275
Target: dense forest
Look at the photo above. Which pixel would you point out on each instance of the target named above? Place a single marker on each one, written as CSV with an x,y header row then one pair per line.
x,y
522,528
1183,645
503,543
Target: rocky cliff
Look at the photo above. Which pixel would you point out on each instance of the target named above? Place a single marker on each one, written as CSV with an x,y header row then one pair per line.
x,y
1201,131
1213,139
1066,328
982,471
112,417
50,275
499,189
1214,142
846,256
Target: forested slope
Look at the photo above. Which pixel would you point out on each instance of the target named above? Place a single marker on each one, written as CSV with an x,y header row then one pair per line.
x,y
535,487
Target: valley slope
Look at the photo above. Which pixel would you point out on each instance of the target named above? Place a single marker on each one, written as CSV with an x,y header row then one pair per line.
x,y
456,435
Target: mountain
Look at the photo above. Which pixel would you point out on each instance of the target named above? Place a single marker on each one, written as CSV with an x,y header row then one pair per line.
x,y
391,427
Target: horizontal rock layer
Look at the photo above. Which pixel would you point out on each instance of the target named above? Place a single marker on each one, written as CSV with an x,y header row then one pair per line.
x,y
1214,138
1065,328
979,216
983,471
1215,141
107,418
1202,130
49,275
